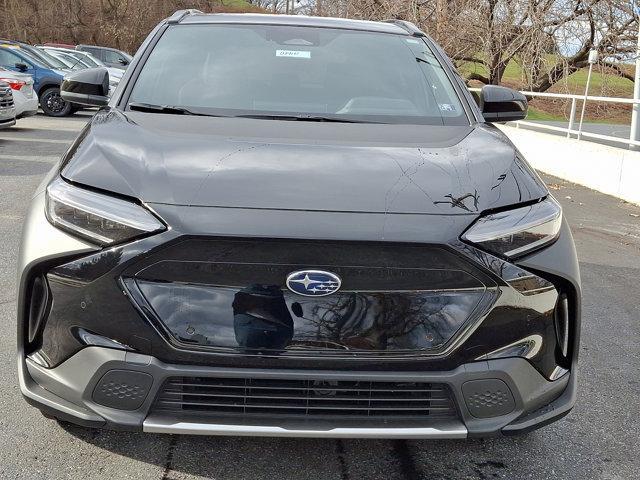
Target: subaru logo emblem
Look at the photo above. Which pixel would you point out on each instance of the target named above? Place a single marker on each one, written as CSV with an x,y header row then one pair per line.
x,y
313,283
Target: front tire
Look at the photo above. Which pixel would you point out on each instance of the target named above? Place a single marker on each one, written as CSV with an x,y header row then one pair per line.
x,y
52,103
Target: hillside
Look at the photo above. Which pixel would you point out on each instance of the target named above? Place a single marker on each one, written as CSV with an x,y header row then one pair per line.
x,y
604,82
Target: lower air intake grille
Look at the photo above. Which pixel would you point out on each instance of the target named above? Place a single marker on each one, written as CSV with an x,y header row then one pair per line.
x,y
304,398
6,98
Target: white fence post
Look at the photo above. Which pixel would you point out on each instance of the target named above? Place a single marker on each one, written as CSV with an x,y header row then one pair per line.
x,y
572,116
635,121
593,58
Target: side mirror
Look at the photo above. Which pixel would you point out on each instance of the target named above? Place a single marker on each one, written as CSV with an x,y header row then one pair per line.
x,y
502,104
22,67
87,87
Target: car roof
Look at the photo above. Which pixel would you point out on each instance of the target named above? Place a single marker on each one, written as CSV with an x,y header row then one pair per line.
x,y
294,20
83,45
16,49
23,52
59,49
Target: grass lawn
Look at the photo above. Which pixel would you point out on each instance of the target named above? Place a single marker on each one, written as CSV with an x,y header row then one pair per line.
x,y
540,115
603,83
575,83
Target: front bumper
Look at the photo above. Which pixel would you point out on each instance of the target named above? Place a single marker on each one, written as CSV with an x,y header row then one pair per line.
x,y
7,122
536,391
71,392
25,106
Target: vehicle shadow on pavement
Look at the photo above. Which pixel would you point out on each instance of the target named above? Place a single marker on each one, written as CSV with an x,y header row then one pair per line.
x,y
226,458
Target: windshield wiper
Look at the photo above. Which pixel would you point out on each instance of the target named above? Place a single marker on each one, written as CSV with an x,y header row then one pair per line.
x,y
422,60
301,118
174,110
170,109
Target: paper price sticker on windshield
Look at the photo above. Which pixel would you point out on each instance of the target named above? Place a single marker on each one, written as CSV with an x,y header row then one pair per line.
x,y
293,54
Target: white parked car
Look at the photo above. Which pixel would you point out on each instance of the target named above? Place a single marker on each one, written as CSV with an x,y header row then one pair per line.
x,y
24,98
7,110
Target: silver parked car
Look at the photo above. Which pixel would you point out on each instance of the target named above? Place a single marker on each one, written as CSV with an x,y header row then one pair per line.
x,y
7,107
24,97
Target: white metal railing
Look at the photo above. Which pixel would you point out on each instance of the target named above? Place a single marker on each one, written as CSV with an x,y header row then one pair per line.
x,y
571,130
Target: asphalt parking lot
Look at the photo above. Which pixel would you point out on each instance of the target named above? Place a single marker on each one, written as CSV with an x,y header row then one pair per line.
x,y
599,440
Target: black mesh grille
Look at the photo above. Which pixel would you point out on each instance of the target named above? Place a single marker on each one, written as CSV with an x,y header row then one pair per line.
x,y
303,398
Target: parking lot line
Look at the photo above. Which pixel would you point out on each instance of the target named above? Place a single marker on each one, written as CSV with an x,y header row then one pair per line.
x,y
34,139
31,158
72,127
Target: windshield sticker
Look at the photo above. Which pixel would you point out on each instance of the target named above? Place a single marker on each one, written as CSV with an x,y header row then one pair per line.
x,y
293,53
446,107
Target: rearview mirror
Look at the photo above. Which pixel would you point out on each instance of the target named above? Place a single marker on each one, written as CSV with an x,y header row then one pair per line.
x,y
502,104
22,67
87,87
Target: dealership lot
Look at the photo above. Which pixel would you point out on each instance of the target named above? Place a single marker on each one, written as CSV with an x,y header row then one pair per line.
x,y
597,441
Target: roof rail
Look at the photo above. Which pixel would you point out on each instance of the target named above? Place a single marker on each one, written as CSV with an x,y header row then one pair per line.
x,y
180,14
408,26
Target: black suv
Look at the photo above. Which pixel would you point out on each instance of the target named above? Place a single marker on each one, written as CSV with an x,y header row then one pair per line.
x,y
299,227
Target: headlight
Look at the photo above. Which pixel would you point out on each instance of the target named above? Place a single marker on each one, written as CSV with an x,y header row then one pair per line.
x,y
98,218
516,232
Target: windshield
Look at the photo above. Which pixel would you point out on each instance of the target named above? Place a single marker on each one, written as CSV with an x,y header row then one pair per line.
x,y
64,61
275,70
53,61
35,60
88,59
75,62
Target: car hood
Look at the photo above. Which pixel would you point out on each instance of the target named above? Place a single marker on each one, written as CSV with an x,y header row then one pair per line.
x,y
305,166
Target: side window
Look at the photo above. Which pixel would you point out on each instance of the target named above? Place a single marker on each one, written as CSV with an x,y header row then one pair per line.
x,y
97,52
114,57
9,59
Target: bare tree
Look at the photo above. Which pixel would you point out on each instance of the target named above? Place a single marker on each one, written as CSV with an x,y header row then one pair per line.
x,y
550,39
116,23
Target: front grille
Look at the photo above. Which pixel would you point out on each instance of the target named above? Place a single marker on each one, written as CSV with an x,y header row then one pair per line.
x,y
6,98
232,296
305,398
